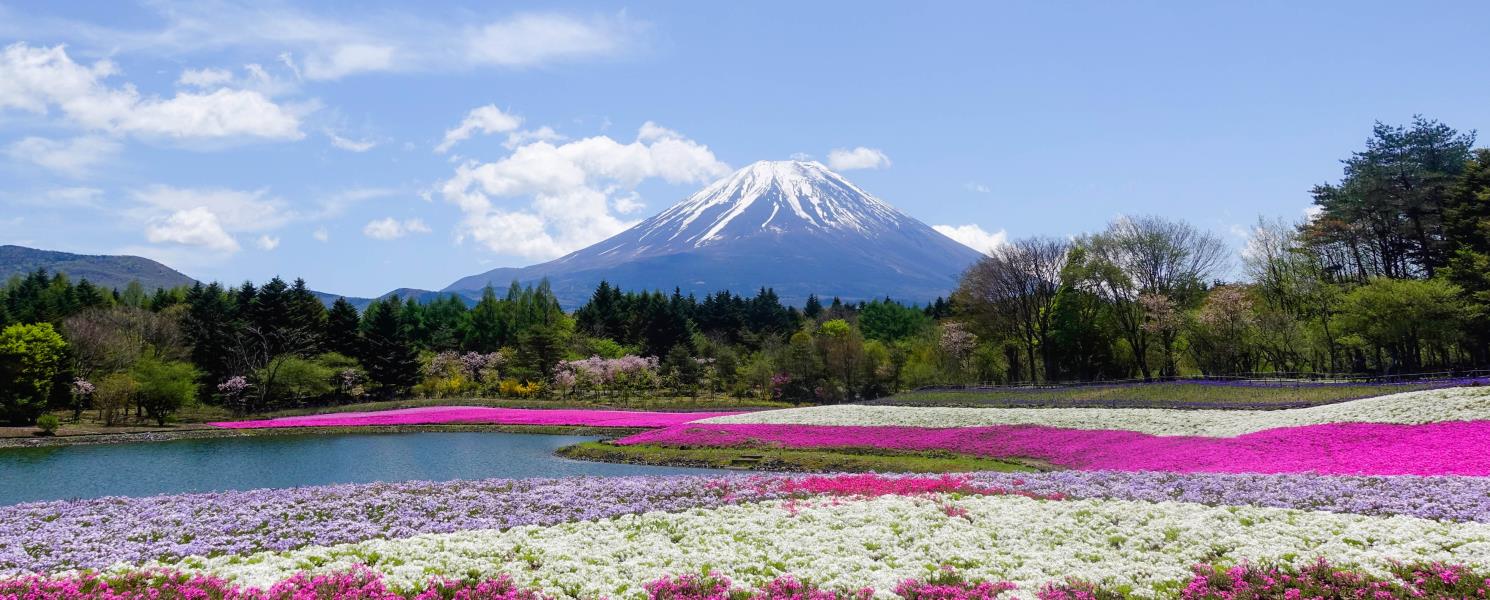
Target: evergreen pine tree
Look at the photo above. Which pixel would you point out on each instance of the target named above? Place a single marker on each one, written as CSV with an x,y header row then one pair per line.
x,y
389,358
343,329
487,330
813,307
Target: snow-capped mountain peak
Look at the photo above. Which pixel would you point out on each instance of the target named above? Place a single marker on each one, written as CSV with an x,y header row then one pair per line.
x,y
771,196
794,226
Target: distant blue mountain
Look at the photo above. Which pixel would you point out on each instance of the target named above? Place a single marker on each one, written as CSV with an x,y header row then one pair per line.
x,y
793,226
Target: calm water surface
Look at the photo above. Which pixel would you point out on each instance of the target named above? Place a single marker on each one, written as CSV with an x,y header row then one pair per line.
x,y
143,469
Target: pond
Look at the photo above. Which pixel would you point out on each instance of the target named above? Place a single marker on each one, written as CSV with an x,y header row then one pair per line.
x,y
242,463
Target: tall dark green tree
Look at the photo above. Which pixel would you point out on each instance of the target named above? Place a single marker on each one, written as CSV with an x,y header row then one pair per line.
x,y
488,330
388,355
210,328
343,329
1386,216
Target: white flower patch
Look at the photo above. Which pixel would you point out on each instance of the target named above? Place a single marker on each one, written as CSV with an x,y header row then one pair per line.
x,y
879,542
1409,408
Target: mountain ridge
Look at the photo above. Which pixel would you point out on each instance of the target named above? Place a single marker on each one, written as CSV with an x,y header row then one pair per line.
x,y
115,271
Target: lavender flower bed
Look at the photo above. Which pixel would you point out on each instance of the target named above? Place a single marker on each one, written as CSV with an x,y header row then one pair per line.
x,y
49,537
54,536
1446,498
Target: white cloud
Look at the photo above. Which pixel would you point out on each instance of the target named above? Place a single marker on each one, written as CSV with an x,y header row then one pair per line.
x,y
1312,212
84,197
348,144
193,227
389,228
628,204
204,78
973,186
326,47
533,39
348,59
800,156
483,119
267,242
544,200
336,204
841,159
973,236
237,210
541,134
38,79
76,157
321,235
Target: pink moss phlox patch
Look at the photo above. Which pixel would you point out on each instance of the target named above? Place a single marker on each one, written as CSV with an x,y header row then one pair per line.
x,y
1448,448
480,414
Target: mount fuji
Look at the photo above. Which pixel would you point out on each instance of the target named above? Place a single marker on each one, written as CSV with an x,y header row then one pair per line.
x,y
793,226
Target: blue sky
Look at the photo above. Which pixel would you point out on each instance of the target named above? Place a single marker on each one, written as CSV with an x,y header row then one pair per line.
x,y
366,147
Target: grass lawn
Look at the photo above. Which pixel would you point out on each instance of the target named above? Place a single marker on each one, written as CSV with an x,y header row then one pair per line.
x,y
807,461
1154,395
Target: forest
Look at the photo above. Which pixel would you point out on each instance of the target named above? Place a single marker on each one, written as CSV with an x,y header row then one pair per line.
x,y
1389,273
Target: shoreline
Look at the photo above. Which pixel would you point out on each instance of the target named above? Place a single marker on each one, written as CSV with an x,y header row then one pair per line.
x,y
198,433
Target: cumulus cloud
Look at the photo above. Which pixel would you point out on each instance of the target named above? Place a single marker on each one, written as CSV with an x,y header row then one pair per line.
x,y
75,157
40,79
321,235
267,242
973,186
483,119
544,200
541,134
237,210
973,236
841,159
390,228
192,227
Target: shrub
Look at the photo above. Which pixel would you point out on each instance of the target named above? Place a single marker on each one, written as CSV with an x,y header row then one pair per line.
x,y
512,388
48,424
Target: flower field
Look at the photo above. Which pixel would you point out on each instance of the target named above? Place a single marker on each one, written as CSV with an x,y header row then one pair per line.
x,y
1383,497
480,414
1026,535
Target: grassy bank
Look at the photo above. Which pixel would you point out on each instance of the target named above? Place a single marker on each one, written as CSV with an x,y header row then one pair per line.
x,y
806,461
1154,395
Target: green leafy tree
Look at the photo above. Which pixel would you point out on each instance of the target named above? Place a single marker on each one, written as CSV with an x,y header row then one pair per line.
x,y
1406,323
164,387
31,358
890,321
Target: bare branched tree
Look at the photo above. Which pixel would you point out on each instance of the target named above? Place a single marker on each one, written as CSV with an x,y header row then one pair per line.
x,y
1150,255
1016,284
